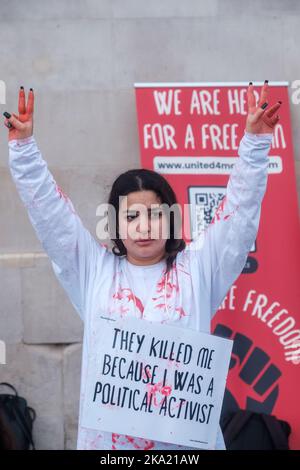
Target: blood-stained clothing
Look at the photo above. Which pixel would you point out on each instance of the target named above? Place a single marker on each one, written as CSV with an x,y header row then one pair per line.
x,y
98,281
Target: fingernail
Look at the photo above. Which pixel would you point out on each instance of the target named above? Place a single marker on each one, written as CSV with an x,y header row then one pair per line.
x,y
6,114
263,106
250,83
22,88
266,81
280,102
31,89
9,125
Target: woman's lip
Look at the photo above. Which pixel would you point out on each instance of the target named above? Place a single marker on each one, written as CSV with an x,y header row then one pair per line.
x,y
144,241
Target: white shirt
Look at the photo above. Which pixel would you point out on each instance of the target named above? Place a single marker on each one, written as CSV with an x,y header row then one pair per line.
x,y
142,278
94,278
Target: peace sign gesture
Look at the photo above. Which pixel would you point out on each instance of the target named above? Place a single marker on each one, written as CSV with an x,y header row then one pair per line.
x,y
21,126
261,119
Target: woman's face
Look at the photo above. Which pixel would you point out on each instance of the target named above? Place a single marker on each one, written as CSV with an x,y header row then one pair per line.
x,y
143,227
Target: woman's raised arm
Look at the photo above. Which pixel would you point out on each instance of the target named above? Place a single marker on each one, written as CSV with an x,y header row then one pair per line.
x,y
222,252
74,253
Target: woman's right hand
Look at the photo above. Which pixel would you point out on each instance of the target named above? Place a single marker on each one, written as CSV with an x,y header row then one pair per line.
x,y
21,126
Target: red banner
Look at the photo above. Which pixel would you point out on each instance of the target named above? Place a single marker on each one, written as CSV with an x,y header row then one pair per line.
x,y
190,133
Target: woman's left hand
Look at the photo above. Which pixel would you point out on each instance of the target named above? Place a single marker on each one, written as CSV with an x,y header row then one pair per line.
x,y
261,119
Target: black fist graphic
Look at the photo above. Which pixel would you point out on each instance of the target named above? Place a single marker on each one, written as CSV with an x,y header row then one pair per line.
x,y
253,368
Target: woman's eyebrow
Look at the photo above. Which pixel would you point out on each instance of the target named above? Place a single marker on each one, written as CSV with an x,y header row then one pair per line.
x,y
156,208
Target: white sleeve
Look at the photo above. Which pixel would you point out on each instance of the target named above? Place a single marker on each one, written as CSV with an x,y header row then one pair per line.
x,y
73,252
222,251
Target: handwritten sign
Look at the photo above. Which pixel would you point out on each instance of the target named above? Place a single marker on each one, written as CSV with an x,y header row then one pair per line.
x,y
157,382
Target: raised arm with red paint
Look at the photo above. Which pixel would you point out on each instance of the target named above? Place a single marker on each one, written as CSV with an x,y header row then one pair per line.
x,y
75,254
223,250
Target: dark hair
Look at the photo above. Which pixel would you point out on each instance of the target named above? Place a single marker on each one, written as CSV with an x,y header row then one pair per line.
x,y
139,180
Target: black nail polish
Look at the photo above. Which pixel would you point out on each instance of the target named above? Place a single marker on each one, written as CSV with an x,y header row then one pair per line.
x,y
266,81
6,114
31,89
280,102
263,106
250,83
9,125
22,88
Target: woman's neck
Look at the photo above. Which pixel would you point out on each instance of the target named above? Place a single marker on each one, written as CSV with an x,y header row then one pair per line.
x,y
146,261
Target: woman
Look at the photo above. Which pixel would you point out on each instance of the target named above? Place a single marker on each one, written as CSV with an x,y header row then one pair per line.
x,y
150,277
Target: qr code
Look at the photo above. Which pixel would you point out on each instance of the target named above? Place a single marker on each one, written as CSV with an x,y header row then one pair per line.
x,y
207,204
204,202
